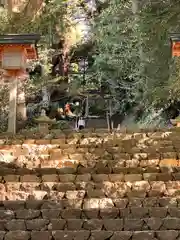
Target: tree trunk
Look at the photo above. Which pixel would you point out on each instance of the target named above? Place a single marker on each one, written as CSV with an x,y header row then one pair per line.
x,y
135,7
31,7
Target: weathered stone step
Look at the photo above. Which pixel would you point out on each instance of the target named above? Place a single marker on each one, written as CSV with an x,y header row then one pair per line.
x,y
41,166
74,152
79,190
91,224
151,213
121,147
90,235
110,213
157,202
118,145
86,203
96,139
107,152
92,179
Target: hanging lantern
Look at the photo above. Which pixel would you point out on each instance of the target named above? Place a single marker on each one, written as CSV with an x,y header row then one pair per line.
x,y
175,44
15,50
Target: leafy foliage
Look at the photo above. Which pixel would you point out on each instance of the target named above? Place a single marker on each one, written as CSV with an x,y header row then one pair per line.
x,y
118,60
133,54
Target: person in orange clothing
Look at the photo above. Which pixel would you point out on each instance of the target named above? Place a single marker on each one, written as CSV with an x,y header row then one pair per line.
x,y
68,111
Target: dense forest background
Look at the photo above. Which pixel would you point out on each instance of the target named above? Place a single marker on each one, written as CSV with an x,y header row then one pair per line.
x,y
126,45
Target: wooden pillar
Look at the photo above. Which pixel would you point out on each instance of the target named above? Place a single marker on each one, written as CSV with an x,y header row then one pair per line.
x,y
110,115
108,120
12,106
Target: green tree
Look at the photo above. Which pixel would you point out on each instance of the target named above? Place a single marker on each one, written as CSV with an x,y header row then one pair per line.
x,y
133,53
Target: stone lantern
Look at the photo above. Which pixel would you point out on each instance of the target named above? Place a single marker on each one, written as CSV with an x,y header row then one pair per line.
x,y
44,122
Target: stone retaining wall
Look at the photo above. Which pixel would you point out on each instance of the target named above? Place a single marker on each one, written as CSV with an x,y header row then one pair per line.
x,y
91,187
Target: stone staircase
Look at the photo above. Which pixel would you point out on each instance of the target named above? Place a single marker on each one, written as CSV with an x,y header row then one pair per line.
x,y
91,187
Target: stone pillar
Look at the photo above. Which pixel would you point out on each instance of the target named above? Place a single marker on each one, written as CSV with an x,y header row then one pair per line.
x,y
21,103
45,97
12,106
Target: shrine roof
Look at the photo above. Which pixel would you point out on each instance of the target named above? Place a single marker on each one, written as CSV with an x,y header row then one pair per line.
x,y
175,37
19,38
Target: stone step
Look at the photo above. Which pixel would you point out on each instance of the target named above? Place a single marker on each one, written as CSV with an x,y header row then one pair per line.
x,y
66,166
157,202
51,210
93,179
94,138
90,189
126,224
93,203
96,143
90,235
106,151
86,203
